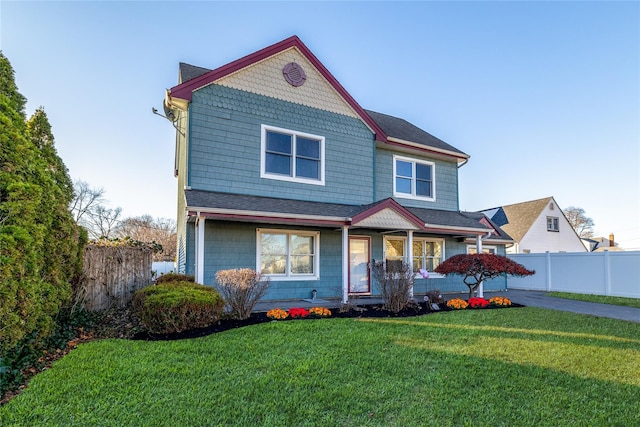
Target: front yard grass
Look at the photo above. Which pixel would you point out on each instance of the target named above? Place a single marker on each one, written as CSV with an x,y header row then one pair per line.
x,y
627,302
518,366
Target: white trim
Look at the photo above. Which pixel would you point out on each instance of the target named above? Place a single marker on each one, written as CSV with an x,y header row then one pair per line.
x,y
294,134
288,276
200,224
413,162
495,248
345,264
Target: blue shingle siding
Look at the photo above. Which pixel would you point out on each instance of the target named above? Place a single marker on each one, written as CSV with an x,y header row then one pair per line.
x,y
446,181
230,245
225,126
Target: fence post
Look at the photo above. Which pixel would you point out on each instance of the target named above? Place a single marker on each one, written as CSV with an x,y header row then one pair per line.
x,y
607,273
548,258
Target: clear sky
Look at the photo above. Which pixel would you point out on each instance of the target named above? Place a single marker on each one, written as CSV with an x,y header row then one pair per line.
x,y
544,96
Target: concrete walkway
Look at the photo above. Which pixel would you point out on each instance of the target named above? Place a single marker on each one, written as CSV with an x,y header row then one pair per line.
x,y
541,299
527,298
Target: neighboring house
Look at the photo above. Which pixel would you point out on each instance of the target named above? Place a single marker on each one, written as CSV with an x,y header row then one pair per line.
x,y
280,170
601,244
536,226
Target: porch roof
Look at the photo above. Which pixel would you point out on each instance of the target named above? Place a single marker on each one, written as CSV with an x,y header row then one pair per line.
x,y
386,214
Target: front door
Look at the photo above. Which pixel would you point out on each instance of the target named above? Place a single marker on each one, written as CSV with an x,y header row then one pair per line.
x,y
359,278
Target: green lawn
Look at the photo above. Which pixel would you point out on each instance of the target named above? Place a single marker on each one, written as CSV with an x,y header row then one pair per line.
x,y
627,302
520,366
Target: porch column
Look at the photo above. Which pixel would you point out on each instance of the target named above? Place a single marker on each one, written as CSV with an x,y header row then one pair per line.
x,y
345,264
479,251
200,221
410,256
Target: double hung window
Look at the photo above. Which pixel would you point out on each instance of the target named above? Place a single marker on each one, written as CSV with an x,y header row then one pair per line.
x,y
292,156
413,178
426,254
552,223
286,255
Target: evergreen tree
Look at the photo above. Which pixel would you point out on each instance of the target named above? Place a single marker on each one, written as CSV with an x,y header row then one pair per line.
x,y
38,238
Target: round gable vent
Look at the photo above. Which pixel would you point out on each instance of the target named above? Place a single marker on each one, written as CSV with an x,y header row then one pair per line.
x,y
294,74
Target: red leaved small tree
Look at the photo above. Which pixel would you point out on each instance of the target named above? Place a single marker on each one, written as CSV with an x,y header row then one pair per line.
x,y
479,267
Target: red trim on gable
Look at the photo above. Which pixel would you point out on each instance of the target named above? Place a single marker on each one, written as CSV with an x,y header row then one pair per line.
x,y
484,221
388,204
185,90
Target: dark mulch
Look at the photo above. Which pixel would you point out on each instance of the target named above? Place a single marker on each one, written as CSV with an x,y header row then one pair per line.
x,y
363,311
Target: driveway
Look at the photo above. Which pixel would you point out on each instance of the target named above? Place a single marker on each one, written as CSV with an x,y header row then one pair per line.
x,y
541,299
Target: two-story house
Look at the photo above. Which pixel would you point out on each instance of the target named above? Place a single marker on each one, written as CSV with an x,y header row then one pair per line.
x,y
281,170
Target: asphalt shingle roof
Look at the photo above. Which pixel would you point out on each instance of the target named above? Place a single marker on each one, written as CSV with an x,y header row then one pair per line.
x,y
189,72
402,129
259,204
520,216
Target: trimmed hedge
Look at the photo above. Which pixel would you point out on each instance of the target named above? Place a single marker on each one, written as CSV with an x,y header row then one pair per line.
x,y
175,277
177,306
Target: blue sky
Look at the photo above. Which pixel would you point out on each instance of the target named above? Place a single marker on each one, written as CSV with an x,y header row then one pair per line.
x,y
544,96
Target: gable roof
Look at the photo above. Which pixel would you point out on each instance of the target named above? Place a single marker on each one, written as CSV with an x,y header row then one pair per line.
x,y
387,129
184,90
521,216
237,207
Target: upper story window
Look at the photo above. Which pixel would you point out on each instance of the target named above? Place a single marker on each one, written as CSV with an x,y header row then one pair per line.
x,y
293,156
552,223
414,179
288,255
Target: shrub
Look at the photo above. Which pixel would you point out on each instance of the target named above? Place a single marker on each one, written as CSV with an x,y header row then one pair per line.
x,y
434,297
241,290
395,281
175,277
479,267
177,306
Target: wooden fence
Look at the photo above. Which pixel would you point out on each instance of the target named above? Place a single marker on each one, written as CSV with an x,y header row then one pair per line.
x,y
113,273
598,273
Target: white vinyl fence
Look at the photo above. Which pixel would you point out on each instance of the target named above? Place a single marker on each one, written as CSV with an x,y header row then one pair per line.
x,y
598,273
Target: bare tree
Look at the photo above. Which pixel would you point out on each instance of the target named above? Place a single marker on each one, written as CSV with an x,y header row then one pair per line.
x,y
582,224
146,229
85,200
103,221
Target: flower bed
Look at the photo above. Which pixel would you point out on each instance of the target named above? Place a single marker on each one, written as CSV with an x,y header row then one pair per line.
x,y
476,302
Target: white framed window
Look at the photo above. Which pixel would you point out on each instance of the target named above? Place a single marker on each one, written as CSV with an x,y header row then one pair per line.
x,y
288,254
288,155
472,249
426,253
553,223
414,179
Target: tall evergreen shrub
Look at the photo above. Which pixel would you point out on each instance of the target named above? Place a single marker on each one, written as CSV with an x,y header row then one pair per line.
x,y
39,241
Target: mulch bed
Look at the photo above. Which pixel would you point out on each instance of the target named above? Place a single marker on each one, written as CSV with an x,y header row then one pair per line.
x,y
361,311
